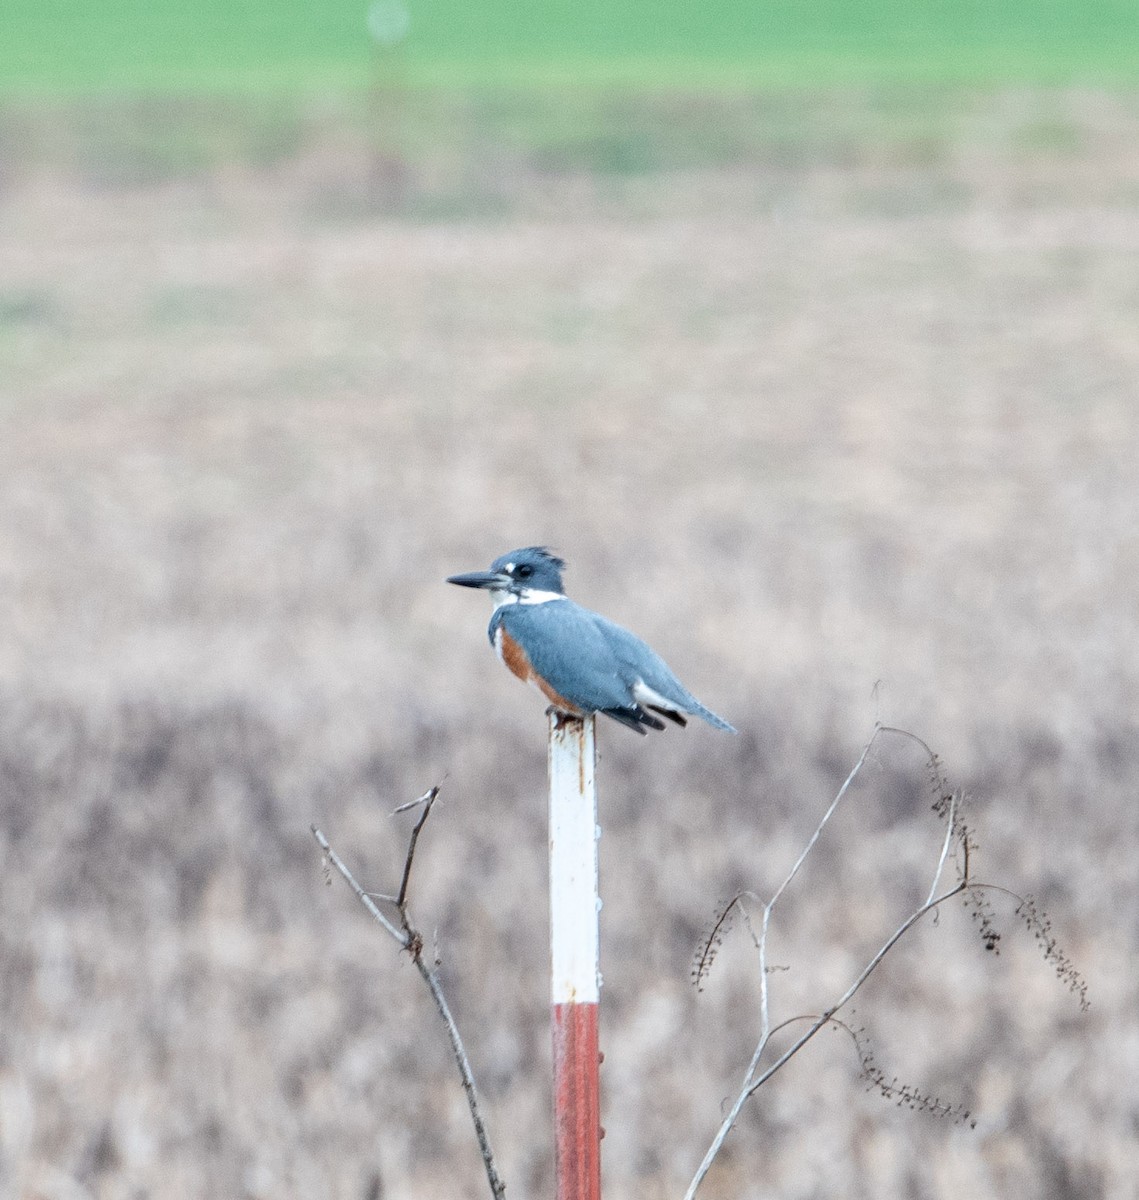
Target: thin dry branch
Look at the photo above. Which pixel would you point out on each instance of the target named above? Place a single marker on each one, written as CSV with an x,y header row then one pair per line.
x,y
426,800
892,1089
958,845
411,940
753,1077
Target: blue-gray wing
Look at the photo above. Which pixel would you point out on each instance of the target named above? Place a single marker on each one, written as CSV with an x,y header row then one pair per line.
x,y
640,663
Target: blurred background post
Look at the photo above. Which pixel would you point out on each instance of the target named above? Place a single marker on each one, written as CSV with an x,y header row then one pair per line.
x,y
389,23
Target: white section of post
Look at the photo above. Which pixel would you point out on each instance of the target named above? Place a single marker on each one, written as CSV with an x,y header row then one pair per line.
x,y
574,899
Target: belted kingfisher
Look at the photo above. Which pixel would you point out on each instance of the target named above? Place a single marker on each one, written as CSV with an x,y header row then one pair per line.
x,y
580,661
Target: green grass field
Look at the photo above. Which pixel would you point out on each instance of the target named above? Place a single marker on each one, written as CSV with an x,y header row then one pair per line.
x,y
132,44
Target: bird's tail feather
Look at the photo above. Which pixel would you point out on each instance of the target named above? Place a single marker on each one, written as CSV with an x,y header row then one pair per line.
x,y
635,718
672,714
698,710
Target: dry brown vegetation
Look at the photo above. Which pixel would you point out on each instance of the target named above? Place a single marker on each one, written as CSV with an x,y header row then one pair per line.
x,y
846,428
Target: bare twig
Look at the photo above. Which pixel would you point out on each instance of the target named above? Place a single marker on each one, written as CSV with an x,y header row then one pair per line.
x,y
951,831
411,940
427,800
893,1089
361,895
753,1077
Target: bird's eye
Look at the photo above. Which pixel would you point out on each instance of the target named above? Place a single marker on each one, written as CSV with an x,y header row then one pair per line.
x,y
523,571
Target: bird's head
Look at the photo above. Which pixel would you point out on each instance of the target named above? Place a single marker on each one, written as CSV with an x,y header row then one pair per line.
x,y
525,575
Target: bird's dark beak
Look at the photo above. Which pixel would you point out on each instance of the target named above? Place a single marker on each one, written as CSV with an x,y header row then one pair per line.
x,y
481,579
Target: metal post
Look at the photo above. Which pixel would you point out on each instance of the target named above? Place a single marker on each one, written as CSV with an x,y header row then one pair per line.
x,y
575,905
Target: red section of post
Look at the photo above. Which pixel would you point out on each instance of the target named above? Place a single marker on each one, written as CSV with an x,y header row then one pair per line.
x,y
577,1102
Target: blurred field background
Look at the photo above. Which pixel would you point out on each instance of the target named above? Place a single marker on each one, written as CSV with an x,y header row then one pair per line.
x,y
808,335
